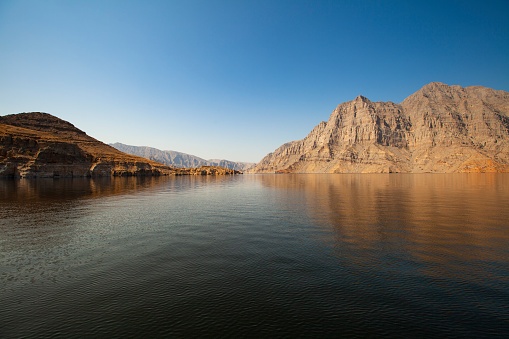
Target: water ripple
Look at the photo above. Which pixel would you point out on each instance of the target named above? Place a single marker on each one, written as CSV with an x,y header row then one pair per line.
x,y
257,256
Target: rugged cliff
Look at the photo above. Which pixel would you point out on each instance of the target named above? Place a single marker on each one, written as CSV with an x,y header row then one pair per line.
x,y
178,159
41,145
439,128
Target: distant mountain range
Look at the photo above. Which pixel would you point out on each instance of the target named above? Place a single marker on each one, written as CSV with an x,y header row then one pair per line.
x,y
178,159
438,129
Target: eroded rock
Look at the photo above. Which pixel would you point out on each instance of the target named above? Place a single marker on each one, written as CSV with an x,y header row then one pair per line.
x,y
440,129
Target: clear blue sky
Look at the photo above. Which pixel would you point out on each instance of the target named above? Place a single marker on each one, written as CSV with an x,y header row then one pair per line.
x,y
236,79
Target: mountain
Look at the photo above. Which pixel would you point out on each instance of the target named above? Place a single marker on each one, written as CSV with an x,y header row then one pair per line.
x,y
237,165
438,129
172,158
178,159
41,145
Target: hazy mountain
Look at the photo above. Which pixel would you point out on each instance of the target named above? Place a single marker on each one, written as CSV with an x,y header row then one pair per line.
x,y
241,166
41,145
439,128
178,159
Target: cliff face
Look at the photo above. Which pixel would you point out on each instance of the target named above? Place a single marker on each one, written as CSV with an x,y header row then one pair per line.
x,y
178,159
41,145
439,128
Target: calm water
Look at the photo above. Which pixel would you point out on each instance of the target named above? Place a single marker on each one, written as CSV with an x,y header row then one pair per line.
x,y
256,255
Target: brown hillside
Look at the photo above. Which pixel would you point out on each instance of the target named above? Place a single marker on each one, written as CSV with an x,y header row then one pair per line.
x,y
41,145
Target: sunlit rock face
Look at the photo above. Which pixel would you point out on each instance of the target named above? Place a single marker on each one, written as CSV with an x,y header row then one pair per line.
x,y
438,129
41,145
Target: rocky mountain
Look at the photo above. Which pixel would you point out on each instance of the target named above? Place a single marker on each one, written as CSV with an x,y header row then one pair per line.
x,y
438,129
178,159
41,145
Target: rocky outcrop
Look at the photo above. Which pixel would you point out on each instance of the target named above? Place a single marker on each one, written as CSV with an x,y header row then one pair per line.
x,y
41,145
178,159
438,129
207,170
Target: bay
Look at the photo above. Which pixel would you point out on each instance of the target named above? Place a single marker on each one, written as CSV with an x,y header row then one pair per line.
x,y
392,255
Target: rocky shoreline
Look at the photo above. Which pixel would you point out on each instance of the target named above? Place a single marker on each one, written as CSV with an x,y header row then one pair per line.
x,y
39,145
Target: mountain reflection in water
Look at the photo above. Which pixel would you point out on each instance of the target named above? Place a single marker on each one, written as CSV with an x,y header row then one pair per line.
x,y
428,222
256,255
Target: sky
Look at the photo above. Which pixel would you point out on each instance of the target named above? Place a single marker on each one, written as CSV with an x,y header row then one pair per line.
x,y
236,79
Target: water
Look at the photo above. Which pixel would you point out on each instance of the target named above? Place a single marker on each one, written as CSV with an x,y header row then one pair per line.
x,y
256,256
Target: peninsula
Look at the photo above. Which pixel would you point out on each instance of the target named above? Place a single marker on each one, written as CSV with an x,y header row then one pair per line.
x,y
39,145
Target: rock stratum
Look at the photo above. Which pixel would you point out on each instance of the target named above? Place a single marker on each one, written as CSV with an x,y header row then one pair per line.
x,y
179,159
39,145
438,129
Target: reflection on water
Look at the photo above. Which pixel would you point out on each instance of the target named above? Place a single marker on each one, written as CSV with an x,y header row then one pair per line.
x,y
428,236
31,210
57,190
38,205
366,210
281,255
432,221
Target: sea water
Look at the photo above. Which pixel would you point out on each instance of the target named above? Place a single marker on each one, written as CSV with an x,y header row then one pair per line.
x,y
398,255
